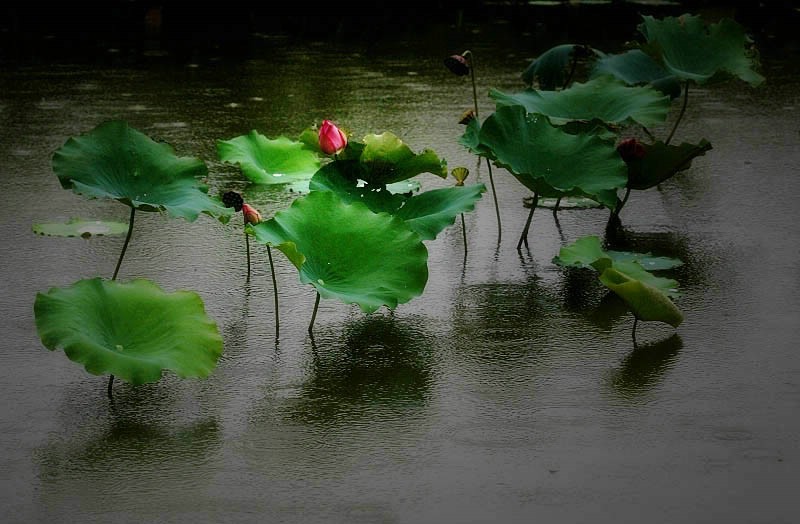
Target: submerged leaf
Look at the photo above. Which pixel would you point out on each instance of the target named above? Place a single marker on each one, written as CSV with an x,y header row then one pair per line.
x,y
266,161
692,51
77,227
660,162
348,252
116,161
132,330
603,98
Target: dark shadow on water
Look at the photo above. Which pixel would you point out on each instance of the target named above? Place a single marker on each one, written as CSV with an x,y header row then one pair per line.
x,y
644,367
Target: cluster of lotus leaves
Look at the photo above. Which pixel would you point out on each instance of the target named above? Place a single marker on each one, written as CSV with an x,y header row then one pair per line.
x,y
118,162
132,330
347,251
648,296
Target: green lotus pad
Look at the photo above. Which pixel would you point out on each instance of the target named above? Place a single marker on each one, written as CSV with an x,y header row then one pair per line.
x,y
266,161
635,67
432,211
348,252
691,51
660,162
550,66
603,98
549,161
116,161
77,227
389,160
132,330
649,297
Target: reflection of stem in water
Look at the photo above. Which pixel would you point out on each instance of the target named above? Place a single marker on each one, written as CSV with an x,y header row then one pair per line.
x,y
680,115
524,236
247,242
125,245
274,291
110,384
314,315
488,164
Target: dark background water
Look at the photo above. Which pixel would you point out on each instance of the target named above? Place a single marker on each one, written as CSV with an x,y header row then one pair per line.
x,y
509,391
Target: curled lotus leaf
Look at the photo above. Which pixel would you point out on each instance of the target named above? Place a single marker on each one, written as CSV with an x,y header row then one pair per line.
x,y
389,159
77,227
270,161
603,98
635,67
347,251
132,330
662,161
116,161
647,296
690,50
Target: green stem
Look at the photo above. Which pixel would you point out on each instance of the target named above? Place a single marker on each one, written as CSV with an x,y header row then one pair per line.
x,y
275,290
524,236
125,245
247,242
313,315
109,391
464,232
496,205
680,115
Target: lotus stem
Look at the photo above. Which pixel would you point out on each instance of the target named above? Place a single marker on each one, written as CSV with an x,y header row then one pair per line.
x,y
648,133
275,292
617,210
313,316
464,233
247,243
555,208
110,391
125,245
488,164
524,236
680,115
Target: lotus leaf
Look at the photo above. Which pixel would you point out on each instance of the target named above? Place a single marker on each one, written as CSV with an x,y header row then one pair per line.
x,y
266,161
342,177
549,67
77,227
348,252
132,330
660,162
603,98
551,162
587,252
646,301
116,161
691,51
432,211
390,160
636,67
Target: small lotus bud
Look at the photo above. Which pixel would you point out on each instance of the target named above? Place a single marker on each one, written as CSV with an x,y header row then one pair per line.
x,y
251,214
331,138
457,65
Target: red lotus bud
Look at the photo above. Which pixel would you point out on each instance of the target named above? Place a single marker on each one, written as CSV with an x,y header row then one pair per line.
x,y
251,214
331,138
630,148
457,65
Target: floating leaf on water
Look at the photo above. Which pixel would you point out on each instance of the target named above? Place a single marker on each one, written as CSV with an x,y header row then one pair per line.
x,y
78,227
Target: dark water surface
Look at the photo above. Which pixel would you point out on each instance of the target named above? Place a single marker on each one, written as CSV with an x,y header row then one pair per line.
x,y
510,391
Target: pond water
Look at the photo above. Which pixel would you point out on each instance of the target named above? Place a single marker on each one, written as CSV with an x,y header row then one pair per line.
x,y
510,391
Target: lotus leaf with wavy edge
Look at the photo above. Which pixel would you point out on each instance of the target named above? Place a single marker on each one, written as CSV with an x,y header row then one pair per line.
x,y
269,161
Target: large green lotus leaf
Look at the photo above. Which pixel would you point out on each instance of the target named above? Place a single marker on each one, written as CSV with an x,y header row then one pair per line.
x,y
588,252
542,156
692,51
389,160
132,330
116,161
77,227
348,252
430,212
471,139
661,161
549,67
341,177
268,161
647,301
603,98
635,67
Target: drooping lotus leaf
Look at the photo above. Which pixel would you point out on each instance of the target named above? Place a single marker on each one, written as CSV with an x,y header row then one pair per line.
x,y
549,67
77,227
603,98
636,67
116,161
269,161
660,162
389,160
691,51
646,295
348,252
588,252
471,139
551,162
342,177
132,330
432,211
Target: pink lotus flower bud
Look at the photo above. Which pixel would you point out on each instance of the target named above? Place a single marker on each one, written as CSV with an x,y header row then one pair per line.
x,y
630,148
331,138
251,214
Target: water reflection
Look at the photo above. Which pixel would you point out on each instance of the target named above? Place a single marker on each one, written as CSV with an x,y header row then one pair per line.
x,y
644,367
